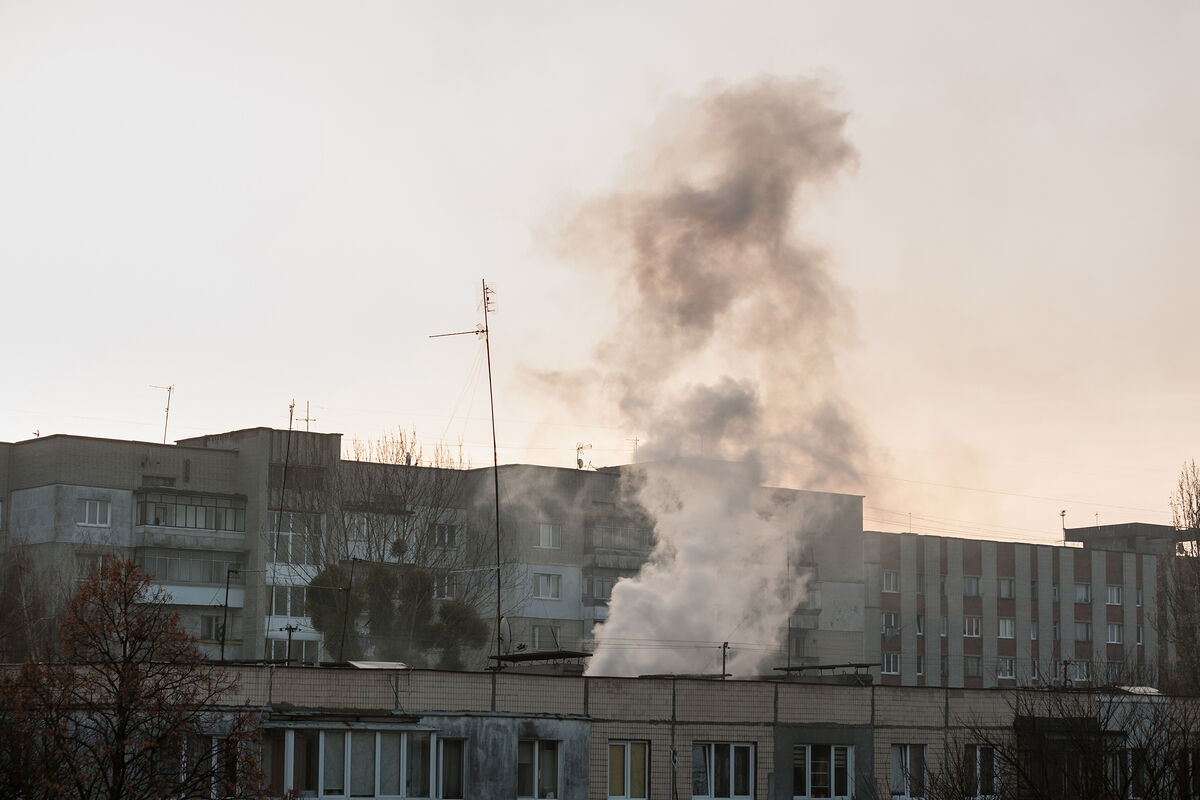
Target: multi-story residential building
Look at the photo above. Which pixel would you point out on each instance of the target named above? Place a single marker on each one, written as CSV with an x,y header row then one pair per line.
x,y
236,525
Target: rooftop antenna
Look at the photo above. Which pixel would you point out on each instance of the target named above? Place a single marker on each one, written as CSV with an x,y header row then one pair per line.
x,y
1063,514
579,448
169,390
307,418
635,446
484,332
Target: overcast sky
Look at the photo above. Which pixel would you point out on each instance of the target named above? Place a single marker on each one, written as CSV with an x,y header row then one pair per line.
x,y
257,202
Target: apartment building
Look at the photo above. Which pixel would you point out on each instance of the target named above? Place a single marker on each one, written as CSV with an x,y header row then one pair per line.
x,y
235,526
428,734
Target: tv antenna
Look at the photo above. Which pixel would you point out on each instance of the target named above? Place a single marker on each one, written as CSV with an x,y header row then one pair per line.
x,y
483,331
169,390
307,418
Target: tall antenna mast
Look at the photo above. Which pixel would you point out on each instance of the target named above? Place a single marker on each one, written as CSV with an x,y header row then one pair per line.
x,y
169,390
485,331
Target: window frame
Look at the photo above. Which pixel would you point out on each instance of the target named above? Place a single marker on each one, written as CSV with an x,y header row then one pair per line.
x,y
1006,628
98,520
848,767
1114,590
974,756
901,768
1084,627
1114,627
890,664
553,586
891,581
972,626
536,768
1002,592
971,586
1083,593
550,532
711,748
627,746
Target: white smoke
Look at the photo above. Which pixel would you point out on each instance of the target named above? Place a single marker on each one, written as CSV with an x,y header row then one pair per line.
x,y
724,360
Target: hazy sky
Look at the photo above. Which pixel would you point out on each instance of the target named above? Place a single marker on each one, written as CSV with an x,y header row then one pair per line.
x,y
257,202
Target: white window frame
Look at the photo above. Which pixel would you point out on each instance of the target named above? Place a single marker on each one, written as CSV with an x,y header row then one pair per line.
x,y
1139,634
95,513
889,622
970,586
537,769
445,586
945,625
891,581
920,624
551,632
974,757
213,623
1114,633
711,749
1007,628
547,586
901,777
549,536
1006,668
1114,594
1086,628
445,534
891,664
434,778
847,751
1005,588
972,626
1083,593
626,746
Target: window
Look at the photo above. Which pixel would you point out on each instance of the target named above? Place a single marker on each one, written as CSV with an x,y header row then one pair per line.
x,y
546,637
207,512
444,586
547,586
1033,591
1139,595
979,771
352,763
889,624
1056,630
1005,667
444,534
1115,633
200,569
549,535
452,764
1008,628
943,585
1033,625
822,770
210,628
1054,592
297,540
891,663
1083,593
628,770
95,512
970,586
920,663
971,626
891,581
1083,631
537,768
1114,595
945,666
908,770
288,601
971,666
1004,588
304,651
920,583
1139,634
720,769
920,624
944,626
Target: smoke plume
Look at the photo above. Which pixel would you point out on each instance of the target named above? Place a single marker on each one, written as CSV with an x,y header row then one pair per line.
x,y
724,360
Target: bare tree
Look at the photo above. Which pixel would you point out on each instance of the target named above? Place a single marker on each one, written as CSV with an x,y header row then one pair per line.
x,y
1091,744
394,567
127,710
27,624
1178,622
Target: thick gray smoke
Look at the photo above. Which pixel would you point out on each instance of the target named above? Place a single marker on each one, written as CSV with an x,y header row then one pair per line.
x,y
724,359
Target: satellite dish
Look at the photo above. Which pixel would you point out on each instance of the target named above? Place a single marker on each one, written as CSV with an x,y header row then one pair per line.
x,y
505,634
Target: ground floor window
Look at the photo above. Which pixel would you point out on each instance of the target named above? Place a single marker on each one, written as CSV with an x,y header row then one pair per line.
x,y
628,769
722,769
979,771
361,763
908,771
822,770
537,768
452,764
